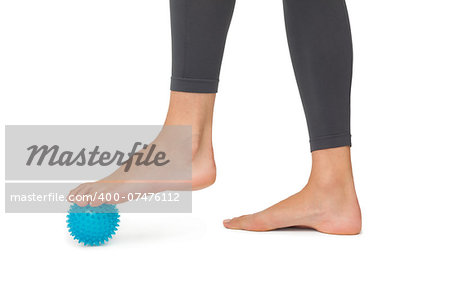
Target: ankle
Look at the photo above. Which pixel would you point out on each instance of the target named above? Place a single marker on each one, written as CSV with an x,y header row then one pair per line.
x,y
191,109
332,168
331,180
195,110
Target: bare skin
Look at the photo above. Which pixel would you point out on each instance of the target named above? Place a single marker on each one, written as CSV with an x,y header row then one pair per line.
x,y
191,109
328,203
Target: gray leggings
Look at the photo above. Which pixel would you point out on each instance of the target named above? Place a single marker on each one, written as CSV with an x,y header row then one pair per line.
x,y
320,44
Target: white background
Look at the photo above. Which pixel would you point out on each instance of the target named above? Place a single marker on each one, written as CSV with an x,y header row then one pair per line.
x,y
108,62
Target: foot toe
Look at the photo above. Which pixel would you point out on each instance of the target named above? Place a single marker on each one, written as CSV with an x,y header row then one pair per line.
x,y
234,223
245,222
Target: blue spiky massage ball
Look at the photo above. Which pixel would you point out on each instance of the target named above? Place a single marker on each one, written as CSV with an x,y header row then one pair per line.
x,y
93,226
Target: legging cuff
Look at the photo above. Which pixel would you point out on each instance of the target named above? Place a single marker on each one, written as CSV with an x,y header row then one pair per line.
x,y
191,85
331,141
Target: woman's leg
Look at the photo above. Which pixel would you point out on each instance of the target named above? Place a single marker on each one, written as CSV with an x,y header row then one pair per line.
x,y
199,30
321,50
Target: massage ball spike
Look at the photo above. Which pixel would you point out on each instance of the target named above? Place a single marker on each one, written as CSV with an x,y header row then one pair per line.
x,y
93,226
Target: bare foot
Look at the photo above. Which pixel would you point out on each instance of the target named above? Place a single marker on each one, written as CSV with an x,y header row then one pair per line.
x,y
328,203
185,109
